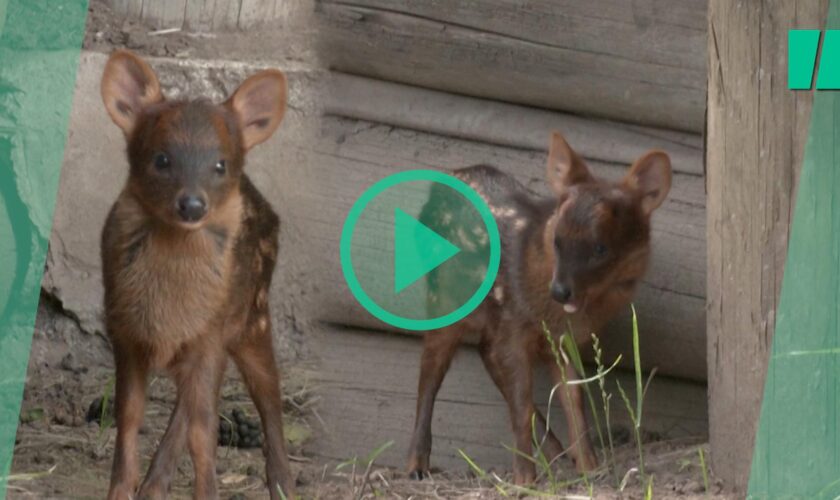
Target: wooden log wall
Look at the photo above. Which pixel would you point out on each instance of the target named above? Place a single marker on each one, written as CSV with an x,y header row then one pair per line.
x,y
638,62
756,135
442,84
373,129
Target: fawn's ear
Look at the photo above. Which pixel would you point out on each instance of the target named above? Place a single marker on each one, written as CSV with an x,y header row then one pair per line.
x,y
564,167
128,85
259,104
651,176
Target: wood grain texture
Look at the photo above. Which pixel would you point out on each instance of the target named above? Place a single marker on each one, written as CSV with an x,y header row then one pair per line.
x,y
638,62
353,154
503,124
255,12
756,135
199,15
203,15
379,399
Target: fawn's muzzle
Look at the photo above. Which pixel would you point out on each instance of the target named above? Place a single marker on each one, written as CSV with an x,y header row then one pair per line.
x,y
191,208
560,292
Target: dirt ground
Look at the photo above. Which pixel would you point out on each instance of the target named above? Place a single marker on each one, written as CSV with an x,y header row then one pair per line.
x,y
59,454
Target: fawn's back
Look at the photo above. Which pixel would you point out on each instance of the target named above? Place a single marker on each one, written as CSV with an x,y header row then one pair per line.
x,y
576,256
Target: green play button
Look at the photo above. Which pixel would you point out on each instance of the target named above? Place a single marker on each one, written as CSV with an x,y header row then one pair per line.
x,y
417,250
420,250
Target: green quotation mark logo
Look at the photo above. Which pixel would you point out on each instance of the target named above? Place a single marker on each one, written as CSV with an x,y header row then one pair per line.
x,y
803,46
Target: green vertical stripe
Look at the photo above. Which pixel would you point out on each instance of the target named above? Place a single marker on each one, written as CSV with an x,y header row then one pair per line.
x,y
39,52
802,56
828,77
797,451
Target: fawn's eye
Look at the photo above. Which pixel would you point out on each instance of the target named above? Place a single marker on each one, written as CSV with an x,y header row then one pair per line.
x,y
220,167
600,249
161,161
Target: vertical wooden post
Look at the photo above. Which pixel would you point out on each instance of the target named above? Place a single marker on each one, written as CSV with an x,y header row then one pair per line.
x,y
756,132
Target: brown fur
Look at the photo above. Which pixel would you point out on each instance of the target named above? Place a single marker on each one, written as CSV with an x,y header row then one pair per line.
x,y
181,296
594,240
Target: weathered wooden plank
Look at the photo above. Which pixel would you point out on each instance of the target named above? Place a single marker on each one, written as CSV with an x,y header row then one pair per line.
x,y
352,155
666,32
133,8
164,15
575,59
199,15
226,14
254,12
756,136
206,15
503,124
368,388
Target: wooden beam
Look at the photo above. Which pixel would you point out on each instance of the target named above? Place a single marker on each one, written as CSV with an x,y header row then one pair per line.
x,y
503,124
204,15
756,135
638,62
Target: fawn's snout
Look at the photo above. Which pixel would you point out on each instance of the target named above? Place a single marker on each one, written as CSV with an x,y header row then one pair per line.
x,y
561,292
191,208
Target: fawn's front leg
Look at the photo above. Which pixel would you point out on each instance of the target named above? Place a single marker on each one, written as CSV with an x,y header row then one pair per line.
x,y
571,398
510,366
198,376
254,357
129,403
439,348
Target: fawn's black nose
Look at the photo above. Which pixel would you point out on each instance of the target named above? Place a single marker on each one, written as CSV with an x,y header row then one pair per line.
x,y
560,292
191,208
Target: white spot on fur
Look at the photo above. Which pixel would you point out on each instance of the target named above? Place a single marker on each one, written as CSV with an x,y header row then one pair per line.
x,y
499,293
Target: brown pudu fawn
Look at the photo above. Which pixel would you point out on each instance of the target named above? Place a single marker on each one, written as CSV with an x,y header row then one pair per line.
x,y
575,258
188,251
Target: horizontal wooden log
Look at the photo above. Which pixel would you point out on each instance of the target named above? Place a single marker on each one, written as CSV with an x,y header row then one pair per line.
x,y
352,155
503,124
379,399
637,62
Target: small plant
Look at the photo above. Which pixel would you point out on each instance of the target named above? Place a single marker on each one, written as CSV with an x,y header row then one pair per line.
x,y
605,401
368,464
565,352
105,411
704,469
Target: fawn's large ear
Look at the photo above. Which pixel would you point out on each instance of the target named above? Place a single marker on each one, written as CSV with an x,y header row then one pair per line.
x,y
564,167
128,85
651,176
259,104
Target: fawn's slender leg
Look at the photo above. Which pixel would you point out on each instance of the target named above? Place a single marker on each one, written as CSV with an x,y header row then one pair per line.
x,y
254,357
552,447
203,426
130,400
439,348
510,366
571,398
198,377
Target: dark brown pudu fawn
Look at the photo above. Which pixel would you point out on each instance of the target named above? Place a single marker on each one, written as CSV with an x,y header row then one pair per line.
x,y
188,251
575,258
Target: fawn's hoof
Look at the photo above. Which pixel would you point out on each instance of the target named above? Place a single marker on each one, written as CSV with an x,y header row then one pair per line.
x,y
418,474
586,463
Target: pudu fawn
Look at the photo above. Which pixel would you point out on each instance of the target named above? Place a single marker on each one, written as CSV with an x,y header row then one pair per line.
x,y
188,251
574,258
